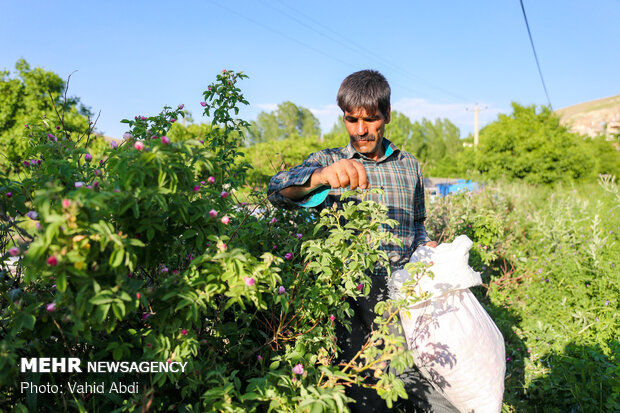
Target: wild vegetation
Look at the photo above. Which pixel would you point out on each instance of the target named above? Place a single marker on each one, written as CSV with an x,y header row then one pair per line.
x,y
146,250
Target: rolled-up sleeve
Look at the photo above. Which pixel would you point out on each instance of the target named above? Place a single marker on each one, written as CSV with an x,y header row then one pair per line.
x,y
297,175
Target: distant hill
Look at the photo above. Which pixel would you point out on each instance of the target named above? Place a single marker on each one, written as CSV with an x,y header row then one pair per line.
x,y
597,117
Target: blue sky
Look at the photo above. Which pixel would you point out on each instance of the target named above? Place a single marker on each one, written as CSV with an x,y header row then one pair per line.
x,y
442,57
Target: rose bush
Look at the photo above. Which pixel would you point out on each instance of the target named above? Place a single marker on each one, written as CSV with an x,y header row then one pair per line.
x,y
145,253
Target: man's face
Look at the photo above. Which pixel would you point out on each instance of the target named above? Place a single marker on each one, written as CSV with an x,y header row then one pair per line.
x,y
366,131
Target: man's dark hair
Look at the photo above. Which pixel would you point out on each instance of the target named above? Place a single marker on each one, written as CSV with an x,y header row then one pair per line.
x,y
366,89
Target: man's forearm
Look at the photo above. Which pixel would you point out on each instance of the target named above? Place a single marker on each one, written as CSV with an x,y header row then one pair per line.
x,y
297,192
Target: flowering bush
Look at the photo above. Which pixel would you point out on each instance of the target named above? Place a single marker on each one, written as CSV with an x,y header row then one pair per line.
x,y
145,253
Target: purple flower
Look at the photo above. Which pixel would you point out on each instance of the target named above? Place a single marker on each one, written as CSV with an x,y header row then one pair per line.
x,y
360,287
298,369
288,256
172,120
211,179
126,136
196,188
14,251
273,221
51,307
281,290
260,358
164,270
165,140
224,194
508,359
203,104
9,194
33,162
181,106
49,135
606,302
146,315
213,213
143,117
184,332
249,281
275,247
299,236
88,157
32,215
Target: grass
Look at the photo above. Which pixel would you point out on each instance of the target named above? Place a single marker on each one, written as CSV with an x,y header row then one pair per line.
x,y
552,287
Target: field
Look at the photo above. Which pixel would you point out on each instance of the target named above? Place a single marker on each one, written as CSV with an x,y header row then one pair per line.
x,y
549,260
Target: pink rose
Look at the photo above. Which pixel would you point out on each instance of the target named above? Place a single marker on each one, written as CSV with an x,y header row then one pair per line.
x,y
165,140
181,106
249,281
66,203
281,290
225,220
51,307
211,180
184,332
203,104
298,369
213,213
224,194
52,261
9,194
14,251
138,145
196,188
360,287
126,136
172,120
288,256
88,157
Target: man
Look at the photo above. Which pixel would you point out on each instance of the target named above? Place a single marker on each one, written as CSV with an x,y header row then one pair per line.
x,y
368,160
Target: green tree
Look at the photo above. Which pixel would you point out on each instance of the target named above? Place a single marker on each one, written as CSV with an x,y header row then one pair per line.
x,y
27,97
531,145
288,120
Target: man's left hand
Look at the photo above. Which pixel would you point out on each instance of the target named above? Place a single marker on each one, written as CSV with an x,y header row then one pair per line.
x,y
431,244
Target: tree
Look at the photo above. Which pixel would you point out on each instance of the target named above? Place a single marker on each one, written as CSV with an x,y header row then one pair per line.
x,y
288,120
26,98
531,145
434,143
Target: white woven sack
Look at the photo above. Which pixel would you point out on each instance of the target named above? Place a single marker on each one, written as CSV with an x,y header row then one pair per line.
x,y
456,345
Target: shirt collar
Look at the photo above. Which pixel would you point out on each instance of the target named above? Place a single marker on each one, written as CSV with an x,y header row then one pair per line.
x,y
388,146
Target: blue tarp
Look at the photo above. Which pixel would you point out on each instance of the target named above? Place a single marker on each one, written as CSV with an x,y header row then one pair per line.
x,y
461,185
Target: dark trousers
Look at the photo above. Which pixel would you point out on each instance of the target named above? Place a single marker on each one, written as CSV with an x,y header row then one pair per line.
x,y
422,396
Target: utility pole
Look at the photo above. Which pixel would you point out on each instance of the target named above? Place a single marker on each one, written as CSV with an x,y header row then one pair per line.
x,y
476,123
476,126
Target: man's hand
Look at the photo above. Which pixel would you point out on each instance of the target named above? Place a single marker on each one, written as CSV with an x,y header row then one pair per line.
x,y
344,173
431,244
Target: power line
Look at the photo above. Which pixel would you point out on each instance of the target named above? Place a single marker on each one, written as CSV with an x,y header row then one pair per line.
x,y
351,44
535,56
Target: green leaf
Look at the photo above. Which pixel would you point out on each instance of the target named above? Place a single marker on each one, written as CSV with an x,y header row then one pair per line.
x,y
61,282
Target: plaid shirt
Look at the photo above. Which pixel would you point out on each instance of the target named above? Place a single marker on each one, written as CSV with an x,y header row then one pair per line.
x,y
397,173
